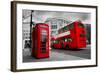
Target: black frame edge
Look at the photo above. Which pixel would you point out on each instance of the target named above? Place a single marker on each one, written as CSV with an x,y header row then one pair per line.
x,y
96,35
55,4
13,36
56,68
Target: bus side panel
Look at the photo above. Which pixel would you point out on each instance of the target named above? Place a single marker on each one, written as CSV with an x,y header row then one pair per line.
x,y
73,36
81,41
73,44
76,36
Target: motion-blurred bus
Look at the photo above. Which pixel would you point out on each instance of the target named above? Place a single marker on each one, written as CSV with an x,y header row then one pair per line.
x,y
71,36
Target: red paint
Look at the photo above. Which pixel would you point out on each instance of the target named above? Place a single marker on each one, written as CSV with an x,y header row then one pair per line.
x,y
40,41
75,40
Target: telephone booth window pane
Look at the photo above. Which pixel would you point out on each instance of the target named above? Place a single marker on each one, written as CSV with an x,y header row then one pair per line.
x,y
43,40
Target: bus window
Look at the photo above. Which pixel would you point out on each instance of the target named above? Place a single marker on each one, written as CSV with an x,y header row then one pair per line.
x,y
61,30
82,35
65,40
58,31
69,40
65,29
70,26
56,41
80,25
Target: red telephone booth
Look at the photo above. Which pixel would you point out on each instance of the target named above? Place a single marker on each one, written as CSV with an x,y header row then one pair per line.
x,y
40,41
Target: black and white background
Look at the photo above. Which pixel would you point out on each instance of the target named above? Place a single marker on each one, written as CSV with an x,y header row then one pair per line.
x,y
55,20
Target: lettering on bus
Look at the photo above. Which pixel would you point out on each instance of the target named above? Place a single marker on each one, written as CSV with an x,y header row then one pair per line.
x,y
64,34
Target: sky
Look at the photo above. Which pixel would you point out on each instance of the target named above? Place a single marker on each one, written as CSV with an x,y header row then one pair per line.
x,y
40,16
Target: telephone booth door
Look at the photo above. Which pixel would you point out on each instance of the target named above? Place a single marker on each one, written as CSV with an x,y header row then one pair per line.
x,y
43,50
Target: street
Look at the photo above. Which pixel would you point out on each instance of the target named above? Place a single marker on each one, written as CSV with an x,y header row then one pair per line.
x,y
63,55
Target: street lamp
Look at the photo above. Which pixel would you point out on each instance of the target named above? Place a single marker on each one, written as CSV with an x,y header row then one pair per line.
x,y
31,28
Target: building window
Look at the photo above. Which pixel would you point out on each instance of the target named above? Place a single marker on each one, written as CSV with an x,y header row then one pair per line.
x,y
53,26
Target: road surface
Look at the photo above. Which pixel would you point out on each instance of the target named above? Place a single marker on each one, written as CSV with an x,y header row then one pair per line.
x,y
62,55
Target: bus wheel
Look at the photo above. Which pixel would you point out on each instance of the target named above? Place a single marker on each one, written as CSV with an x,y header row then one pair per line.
x,y
67,47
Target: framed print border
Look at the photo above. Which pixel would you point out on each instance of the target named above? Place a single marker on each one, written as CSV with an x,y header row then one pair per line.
x,y
14,34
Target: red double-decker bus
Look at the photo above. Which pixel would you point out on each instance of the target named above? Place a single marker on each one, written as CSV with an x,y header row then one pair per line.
x,y
40,41
71,36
